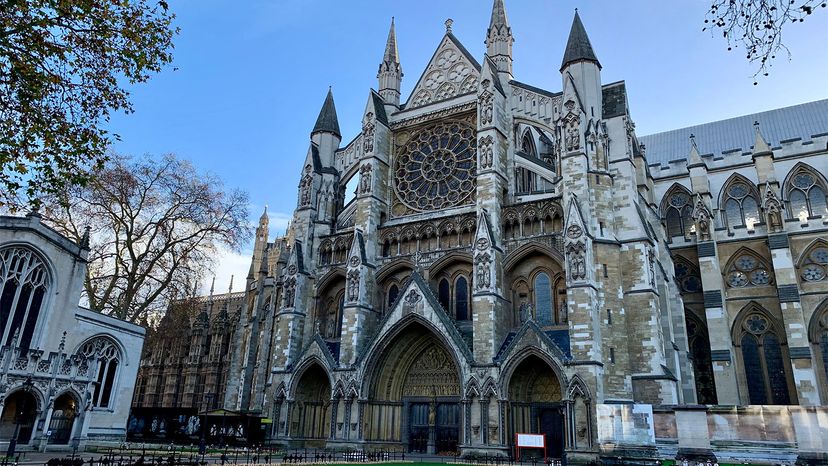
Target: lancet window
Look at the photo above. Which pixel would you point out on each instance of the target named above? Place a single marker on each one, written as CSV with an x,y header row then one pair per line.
x,y
104,353
677,212
741,208
806,194
766,375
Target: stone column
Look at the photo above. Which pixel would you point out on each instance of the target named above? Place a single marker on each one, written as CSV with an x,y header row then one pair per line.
x,y
334,414
467,435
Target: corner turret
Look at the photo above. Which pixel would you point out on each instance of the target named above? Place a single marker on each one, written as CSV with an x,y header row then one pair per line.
x,y
390,72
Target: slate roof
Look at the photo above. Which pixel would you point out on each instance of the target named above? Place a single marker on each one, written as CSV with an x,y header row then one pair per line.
x,y
802,121
577,46
327,121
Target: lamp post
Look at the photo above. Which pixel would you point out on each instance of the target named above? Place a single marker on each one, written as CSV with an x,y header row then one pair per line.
x,y
202,445
28,385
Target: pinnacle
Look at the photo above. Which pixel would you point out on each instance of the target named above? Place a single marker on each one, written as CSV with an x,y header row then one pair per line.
x,y
391,55
760,145
498,16
327,121
578,46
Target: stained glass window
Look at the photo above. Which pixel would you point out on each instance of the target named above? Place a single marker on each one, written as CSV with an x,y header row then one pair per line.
x,y
461,293
23,284
435,168
740,205
747,270
393,292
687,277
444,294
543,298
815,266
699,341
765,368
678,213
806,194
753,370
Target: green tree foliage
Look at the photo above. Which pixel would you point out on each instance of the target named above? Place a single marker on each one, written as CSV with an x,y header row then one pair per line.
x,y
64,66
153,226
756,26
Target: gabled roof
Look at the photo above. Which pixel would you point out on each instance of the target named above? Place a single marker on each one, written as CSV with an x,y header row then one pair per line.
x,y
327,122
440,80
802,121
577,46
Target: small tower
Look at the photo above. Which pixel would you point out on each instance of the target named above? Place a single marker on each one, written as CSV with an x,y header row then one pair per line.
x,y
260,244
499,40
390,72
580,62
325,132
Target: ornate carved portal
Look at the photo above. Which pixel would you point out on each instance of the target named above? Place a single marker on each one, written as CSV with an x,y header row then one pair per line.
x,y
535,403
415,394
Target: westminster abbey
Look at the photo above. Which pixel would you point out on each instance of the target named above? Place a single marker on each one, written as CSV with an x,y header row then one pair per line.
x,y
489,258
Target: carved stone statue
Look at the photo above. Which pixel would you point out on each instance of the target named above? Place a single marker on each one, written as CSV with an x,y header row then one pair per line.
x,y
485,146
353,286
368,134
365,179
573,136
432,414
702,216
773,210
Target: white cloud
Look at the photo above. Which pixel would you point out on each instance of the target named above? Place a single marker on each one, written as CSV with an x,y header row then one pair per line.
x,y
228,264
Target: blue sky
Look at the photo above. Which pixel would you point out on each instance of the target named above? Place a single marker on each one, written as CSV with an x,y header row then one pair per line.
x,y
252,75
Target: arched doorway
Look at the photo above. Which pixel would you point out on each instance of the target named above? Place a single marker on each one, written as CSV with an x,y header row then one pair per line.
x,y
535,404
311,417
415,394
63,419
19,412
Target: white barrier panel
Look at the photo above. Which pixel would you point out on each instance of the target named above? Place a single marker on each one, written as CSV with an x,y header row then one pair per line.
x,y
530,441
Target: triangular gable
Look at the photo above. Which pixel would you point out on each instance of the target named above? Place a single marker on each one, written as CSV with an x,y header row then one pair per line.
x,y
416,298
452,71
316,349
528,335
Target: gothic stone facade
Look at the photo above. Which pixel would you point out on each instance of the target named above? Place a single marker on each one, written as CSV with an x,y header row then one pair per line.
x,y
66,373
510,262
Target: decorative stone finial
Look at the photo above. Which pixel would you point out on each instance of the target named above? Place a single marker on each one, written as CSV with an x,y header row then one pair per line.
x,y
449,22
84,242
231,284
213,286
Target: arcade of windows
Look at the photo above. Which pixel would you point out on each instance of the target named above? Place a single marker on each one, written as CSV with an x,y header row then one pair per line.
x,y
543,302
805,191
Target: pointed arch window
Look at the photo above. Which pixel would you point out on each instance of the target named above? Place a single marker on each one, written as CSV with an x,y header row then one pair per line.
x,y
699,342
741,208
766,372
461,298
104,353
444,294
527,145
543,298
746,270
814,266
24,282
806,194
677,211
688,277
393,292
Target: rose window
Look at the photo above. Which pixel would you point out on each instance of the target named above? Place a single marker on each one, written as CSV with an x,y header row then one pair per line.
x,y
747,270
435,168
816,265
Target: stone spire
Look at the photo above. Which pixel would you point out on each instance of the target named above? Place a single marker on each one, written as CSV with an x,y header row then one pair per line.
x,y
264,219
327,122
390,72
578,47
499,39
